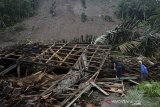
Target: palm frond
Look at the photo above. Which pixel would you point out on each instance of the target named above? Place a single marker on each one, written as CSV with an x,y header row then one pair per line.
x,y
129,47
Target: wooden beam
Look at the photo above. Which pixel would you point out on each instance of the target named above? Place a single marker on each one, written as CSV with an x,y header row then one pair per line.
x,y
18,71
37,63
79,95
50,88
43,52
8,69
54,54
99,88
122,78
134,82
92,56
68,55
77,64
68,99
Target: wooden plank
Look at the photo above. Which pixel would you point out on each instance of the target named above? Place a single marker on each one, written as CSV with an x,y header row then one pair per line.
x,y
43,52
50,88
123,86
8,69
18,71
54,54
134,82
37,63
78,64
122,78
92,56
81,50
99,88
109,84
12,53
68,54
79,95
68,99
100,67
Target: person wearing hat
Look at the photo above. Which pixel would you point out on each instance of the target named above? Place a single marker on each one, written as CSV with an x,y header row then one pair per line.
x,y
144,71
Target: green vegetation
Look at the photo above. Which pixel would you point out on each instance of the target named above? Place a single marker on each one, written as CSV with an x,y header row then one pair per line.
x,y
146,93
13,11
16,28
138,34
147,12
137,98
151,89
143,10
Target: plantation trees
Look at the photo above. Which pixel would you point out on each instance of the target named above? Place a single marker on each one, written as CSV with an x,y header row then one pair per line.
x,y
13,11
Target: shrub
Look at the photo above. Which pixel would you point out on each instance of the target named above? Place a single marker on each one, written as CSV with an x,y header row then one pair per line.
x,y
151,89
137,98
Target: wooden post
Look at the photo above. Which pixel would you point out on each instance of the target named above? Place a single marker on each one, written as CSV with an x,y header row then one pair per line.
x,y
18,71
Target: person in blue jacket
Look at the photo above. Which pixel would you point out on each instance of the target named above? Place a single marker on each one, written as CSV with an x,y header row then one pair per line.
x,y
144,71
117,67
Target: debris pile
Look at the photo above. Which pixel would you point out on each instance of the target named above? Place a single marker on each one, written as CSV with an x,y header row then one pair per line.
x,y
57,74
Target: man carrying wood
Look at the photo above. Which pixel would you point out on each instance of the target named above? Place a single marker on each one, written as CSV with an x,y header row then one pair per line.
x,y
117,67
144,71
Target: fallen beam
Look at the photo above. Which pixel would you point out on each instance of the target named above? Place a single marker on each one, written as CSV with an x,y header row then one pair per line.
x,y
134,82
79,95
122,78
99,88
8,69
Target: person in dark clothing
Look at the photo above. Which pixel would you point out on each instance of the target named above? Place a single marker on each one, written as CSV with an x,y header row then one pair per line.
x,y
144,71
117,67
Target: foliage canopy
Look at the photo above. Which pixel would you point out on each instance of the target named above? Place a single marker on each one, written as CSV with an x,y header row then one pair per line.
x,y
13,11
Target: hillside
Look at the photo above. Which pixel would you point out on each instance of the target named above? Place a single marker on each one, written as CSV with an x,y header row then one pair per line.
x,y
67,22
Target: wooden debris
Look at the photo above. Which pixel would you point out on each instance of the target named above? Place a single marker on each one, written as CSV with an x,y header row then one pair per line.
x,y
112,87
8,69
122,78
79,95
100,89
62,76
134,82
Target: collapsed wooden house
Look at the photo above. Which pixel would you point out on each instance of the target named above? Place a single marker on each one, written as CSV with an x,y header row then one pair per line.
x,y
58,74
64,72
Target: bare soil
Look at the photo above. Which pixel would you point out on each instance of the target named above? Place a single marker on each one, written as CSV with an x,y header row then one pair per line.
x,y
67,22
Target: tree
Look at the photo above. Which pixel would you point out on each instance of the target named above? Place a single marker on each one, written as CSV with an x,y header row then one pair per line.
x,y
13,11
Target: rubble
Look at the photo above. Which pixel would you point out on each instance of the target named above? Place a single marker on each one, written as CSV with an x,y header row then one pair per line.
x,y
58,74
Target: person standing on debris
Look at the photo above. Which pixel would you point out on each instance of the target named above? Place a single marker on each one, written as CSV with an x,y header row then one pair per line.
x,y
117,67
144,71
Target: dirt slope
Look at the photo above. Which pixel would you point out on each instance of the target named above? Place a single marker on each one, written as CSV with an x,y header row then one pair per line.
x,y
67,23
